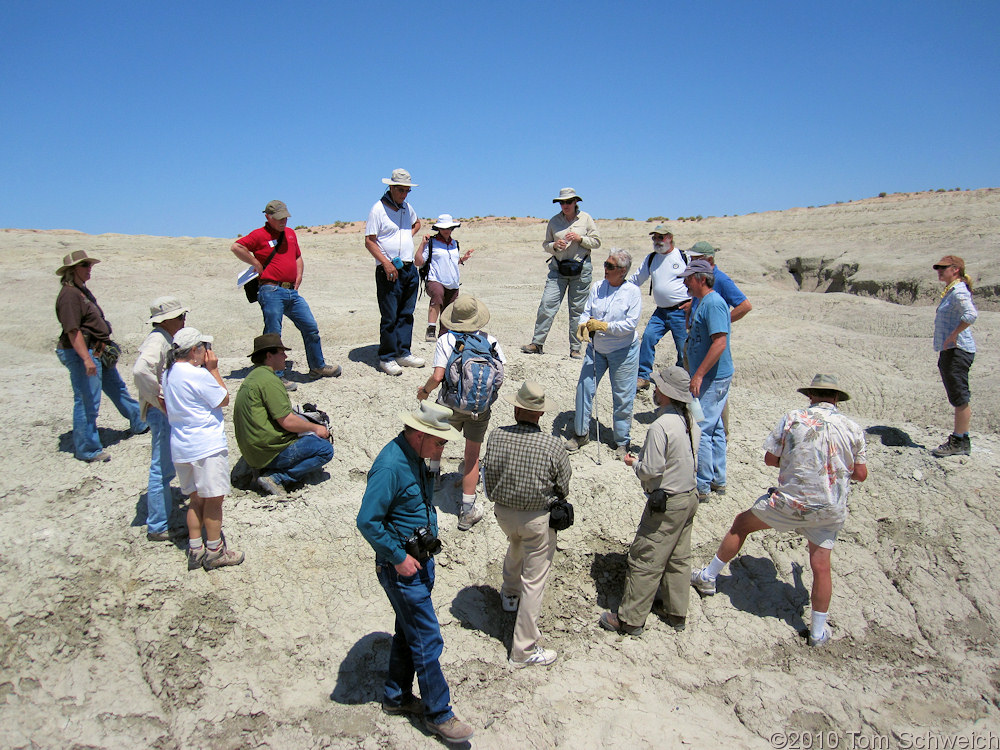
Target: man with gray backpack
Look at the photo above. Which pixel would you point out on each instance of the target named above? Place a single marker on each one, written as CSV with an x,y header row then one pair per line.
x,y
469,362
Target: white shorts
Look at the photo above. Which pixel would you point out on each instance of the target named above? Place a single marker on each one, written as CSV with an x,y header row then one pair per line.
x,y
822,534
209,477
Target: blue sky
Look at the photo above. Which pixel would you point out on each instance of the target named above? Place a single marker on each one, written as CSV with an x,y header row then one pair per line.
x,y
186,118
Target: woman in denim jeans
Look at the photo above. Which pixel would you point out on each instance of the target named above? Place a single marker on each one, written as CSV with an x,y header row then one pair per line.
x,y
85,335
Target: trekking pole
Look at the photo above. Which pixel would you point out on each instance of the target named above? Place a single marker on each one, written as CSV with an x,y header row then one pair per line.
x,y
593,411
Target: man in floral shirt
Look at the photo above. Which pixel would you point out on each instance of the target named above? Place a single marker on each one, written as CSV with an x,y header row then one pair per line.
x,y
817,451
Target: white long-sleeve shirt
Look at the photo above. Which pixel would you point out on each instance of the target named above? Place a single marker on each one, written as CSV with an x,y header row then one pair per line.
x,y
618,306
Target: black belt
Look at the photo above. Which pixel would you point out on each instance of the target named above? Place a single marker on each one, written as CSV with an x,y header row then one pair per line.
x,y
675,307
282,284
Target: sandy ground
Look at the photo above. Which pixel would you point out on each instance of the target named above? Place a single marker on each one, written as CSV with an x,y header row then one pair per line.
x,y
107,641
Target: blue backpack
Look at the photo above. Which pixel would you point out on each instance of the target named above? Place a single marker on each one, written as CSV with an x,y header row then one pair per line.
x,y
473,375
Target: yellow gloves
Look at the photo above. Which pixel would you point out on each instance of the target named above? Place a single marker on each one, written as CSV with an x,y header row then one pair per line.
x,y
596,325
582,333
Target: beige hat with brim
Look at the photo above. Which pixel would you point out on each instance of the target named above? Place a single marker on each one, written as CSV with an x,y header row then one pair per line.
x,y
432,419
75,258
166,308
567,194
188,338
465,315
400,177
530,396
823,382
674,383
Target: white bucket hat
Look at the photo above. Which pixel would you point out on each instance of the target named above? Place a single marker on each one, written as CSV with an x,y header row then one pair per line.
x,y
567,194
445,222
674,383
188,338
399,177
530,396
165,308
432,419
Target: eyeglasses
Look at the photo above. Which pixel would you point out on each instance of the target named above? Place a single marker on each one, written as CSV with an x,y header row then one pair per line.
x,y
567,203
401,189
611,266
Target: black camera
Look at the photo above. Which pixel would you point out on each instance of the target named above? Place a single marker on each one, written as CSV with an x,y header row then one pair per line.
x,y
422,544
657,501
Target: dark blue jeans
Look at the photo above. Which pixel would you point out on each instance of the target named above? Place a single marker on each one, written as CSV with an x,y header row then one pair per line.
x,y
87,401
275,302
298,460
396,303
417,642
657,326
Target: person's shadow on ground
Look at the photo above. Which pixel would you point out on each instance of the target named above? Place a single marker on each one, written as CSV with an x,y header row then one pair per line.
x,y
479,608
362,671
753,586
608,573
892,436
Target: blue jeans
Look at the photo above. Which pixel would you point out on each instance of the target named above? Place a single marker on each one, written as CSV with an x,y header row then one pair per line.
x,y
87,402
275,302
417,642
622,366
396,303
657,326
712,448
298,460
161,471
556,287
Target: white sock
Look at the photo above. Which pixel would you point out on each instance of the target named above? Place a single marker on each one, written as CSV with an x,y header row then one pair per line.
x,y
468,501
713,569
214,546
818,623
195,544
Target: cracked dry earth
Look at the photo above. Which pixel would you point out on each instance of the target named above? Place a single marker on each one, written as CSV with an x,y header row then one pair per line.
x,y
107,641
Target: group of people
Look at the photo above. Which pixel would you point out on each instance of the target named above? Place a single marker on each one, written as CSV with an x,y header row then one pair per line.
x,y
524,470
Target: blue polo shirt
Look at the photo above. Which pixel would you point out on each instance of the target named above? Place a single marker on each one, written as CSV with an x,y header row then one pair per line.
x,y
710,317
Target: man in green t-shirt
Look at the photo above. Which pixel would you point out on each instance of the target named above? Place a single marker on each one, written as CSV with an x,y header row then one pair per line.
x,y
280,446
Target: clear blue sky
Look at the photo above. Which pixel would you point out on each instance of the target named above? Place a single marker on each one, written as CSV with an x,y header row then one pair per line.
x,y
185,118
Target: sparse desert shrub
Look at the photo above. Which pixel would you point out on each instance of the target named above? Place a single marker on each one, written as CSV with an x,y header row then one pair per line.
x,y
881,195
624,218
657,219
940,190
300,227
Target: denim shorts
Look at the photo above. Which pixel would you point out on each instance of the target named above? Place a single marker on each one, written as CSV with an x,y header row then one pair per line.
x,y
954,364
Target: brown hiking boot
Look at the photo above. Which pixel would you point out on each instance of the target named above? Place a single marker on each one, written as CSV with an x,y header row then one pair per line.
x,y
532,348
451,731
221,558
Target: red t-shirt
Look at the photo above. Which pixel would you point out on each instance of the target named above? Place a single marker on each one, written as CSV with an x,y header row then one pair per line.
x,y
282,267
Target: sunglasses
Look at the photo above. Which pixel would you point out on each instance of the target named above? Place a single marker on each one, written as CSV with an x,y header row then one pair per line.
x,y
87,264
610,266
941,268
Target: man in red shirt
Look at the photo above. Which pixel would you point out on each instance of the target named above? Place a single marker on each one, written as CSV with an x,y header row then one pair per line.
x,y
279,283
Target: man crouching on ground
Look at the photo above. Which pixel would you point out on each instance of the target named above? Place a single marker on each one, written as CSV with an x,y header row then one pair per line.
x,y
398,520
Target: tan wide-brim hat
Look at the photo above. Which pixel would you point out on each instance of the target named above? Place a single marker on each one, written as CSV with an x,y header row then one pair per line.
x,y
432,419
674,383
166,308
823,382
267,341
400,177
530,396
567,194
75,258
465,315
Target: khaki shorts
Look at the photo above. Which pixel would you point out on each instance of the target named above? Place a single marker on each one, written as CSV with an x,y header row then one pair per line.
x,y
209,477
474,428
822,535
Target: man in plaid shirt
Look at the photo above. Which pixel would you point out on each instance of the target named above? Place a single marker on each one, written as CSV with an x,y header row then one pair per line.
x,y
525,471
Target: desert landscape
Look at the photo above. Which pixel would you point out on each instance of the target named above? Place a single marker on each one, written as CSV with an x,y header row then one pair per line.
x,y
107,641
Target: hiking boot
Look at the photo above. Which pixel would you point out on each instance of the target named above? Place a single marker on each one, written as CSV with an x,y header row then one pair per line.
x,y
431,334
469,516
641,384
576,442
289,385
509,602
268,485
221,557
196,558
822,640
539,657
410,361
718,489
451,731
532,348
102,457
610,621
575,354
953,446
411,704
389,367
702,585
702,497
621,451
157,536
326,371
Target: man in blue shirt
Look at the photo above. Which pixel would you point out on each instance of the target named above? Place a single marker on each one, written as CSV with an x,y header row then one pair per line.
x,y
398,520
711,366
724,285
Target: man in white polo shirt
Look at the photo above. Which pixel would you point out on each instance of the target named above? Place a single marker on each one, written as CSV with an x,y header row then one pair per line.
x,y
389,232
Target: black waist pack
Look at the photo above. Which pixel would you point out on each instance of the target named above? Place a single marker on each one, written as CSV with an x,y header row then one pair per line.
x,y
570,267
560,515
658,501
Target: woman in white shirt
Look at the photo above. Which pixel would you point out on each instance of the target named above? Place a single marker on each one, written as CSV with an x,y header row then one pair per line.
x,y
194,394
611,315
442,276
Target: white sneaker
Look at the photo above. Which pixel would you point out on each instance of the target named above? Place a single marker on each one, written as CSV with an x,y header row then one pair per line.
x,y
704,586
509,602
540,657
822,640
469,516
410,361
389,367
